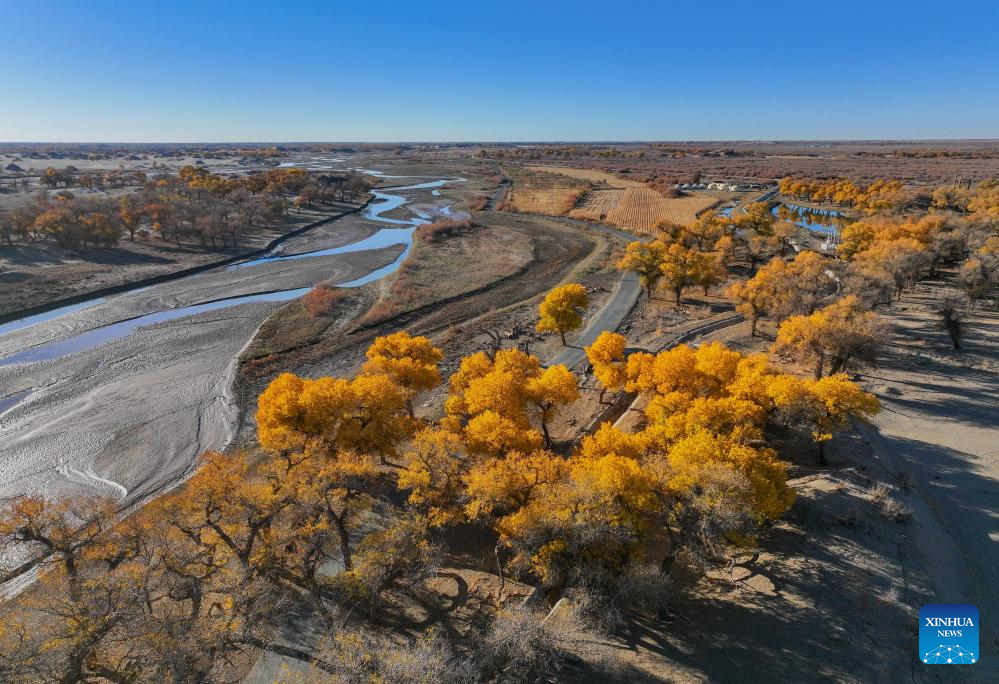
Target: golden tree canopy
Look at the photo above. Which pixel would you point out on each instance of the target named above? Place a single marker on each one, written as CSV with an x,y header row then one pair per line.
x,y
561,310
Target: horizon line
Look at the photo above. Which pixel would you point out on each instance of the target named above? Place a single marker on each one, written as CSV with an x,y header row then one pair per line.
x,y
498,142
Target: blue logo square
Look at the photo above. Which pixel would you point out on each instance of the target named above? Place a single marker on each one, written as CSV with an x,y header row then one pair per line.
x,y
948,634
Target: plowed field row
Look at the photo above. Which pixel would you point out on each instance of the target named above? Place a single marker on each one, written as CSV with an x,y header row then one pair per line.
x,y
597,204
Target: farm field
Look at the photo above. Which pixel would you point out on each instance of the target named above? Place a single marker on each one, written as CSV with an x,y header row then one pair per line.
x,y
592,175
644,209
641,208
543,193
620,202
597,204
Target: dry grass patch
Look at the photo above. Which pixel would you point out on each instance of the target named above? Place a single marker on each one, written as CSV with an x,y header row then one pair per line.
x,y
543,193
455,261
302,322
592,175
687,207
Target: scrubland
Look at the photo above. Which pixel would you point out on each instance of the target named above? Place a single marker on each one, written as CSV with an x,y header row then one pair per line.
x,y
418,492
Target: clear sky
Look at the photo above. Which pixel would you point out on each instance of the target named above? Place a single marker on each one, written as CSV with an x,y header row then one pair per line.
x,y
387,70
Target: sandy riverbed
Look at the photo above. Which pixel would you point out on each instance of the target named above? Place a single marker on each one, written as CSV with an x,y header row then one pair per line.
x,y
127,417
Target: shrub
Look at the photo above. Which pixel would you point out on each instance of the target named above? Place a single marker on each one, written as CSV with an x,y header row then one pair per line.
x,y
320,300
601,598
893,509
438,230
572,199
889,507
352,655
522,646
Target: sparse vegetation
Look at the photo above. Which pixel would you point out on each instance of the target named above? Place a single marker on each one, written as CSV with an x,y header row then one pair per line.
x,y
437,267
441,230
543,193
320,300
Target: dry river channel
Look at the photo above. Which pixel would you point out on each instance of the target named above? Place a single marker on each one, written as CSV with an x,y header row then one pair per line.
x,y
118,396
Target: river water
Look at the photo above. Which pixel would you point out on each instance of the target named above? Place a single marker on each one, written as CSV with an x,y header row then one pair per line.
x,y
139,412
829,222
401,233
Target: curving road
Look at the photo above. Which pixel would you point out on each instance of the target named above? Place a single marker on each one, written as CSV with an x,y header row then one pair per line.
x,y
609,317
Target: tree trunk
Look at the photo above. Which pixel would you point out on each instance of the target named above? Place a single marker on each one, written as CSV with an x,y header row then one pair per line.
x,y
677,291
344,535
752,325
544,431
562,335
499,571
822,453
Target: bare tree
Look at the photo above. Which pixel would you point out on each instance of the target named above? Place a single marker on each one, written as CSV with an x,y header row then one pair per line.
x,y
953,311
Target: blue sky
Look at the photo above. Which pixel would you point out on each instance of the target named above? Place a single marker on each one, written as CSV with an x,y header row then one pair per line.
x,y
389,71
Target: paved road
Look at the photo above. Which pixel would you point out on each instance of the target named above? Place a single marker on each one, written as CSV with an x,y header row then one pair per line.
x,y
614,310
608,318
765,197
617,307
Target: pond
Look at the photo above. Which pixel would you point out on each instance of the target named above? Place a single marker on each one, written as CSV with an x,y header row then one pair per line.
x,y
829,222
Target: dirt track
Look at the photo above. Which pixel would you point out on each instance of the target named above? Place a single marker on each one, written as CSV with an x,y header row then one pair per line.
x,y
940,428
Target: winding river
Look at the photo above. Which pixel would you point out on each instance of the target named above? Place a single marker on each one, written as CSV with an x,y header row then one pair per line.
x,y
125,406
400,234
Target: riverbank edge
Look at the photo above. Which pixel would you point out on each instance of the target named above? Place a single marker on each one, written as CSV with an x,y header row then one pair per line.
x,y
183,273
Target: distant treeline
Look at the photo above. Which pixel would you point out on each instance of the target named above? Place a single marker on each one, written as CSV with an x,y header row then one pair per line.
x,y
194,207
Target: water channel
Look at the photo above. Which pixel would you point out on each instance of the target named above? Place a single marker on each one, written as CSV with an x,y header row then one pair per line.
x,y
829,222
397,231
400,234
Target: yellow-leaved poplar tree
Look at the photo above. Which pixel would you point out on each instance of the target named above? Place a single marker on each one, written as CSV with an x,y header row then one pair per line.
x,y
644,259
682,267
409,361
606,355
841,334
561,311
836,400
